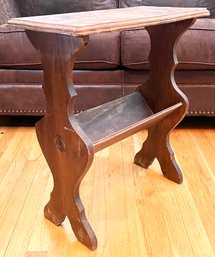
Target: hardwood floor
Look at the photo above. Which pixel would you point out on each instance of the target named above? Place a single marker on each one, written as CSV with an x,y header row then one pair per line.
x,y
134,212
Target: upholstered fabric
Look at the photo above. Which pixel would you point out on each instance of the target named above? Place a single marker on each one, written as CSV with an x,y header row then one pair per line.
x,y
210,4
43,7
96,56
195,49
112,65
177,3
8,9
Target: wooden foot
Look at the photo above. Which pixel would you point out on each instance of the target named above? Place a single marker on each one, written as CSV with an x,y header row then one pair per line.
x,y
53,211
145,157
68,151
169,165
160,92
81,227
157,146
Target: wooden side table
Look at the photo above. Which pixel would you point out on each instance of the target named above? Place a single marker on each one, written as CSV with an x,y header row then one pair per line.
x,y
69,141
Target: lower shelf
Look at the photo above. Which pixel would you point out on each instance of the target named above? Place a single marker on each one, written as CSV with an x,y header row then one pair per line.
x,y
118,119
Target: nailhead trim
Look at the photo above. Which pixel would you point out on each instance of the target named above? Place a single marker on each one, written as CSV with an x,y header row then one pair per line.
x,y
78,111
28,111
202,112
22,111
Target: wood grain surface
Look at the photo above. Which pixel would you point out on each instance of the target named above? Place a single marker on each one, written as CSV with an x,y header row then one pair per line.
x,y
135,212
118,119
86,23
66,147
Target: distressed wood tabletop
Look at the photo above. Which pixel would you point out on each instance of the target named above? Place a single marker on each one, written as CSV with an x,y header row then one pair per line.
x,y
90,22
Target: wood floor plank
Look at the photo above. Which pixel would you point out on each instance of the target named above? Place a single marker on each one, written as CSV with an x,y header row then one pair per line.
x,y
11,168
98,211
133,211
206,150
36,254
12,147
15,185
197,178
6,135
42,228
116,207
134,199
210,134
153,222
23,227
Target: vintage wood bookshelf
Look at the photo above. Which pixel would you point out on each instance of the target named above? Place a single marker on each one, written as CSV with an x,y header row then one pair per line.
x,y
69,141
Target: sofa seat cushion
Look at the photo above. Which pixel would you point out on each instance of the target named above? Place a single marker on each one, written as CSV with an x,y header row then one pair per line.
x,y
16,51
41,7
195,49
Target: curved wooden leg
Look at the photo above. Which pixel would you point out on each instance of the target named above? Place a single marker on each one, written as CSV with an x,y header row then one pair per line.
x,y
146,155
168,163
68,151
161,91
157,145
68,166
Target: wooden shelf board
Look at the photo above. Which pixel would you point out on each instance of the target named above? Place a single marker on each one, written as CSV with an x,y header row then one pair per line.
x,y
118,119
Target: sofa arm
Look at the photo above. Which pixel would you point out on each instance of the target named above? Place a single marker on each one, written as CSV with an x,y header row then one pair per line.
x,y
8,10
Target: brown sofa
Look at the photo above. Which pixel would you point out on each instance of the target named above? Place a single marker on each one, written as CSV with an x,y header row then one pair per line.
x,y
113,64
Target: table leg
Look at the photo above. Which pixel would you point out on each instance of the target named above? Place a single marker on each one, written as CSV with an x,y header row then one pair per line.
x,y
66,148
161,91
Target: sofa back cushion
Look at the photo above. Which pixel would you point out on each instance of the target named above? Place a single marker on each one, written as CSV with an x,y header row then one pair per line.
x,y
210,4
8,9
195,49
44,7
175,3
16,51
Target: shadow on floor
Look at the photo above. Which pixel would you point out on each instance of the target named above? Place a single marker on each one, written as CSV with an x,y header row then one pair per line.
x,y
29,121
18,121
197,122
